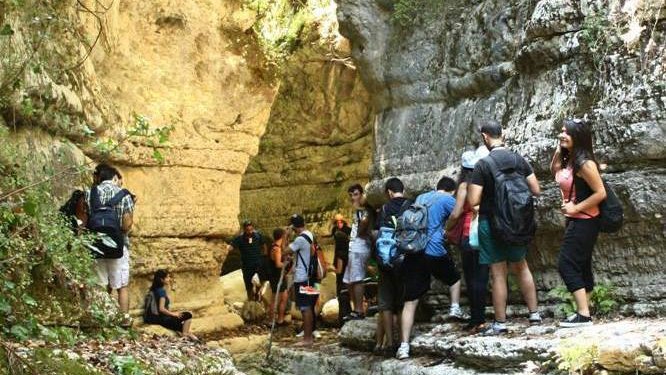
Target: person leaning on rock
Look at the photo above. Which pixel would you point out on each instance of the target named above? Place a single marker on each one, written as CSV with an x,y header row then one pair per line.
x,y
577,172
251,246
500,255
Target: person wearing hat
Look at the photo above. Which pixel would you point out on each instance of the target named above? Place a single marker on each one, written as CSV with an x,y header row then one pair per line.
x,y
251,245
306,295
340,233
475,273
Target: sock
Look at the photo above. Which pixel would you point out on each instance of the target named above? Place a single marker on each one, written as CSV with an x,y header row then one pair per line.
x,y
455,305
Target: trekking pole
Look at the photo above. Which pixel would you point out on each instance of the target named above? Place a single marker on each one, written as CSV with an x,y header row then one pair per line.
x,y
275,304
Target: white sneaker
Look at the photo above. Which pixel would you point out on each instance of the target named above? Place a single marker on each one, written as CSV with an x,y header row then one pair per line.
x,y
315,334
403,351
455,312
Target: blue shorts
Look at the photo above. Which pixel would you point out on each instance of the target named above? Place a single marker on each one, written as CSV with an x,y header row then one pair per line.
x,y
492,251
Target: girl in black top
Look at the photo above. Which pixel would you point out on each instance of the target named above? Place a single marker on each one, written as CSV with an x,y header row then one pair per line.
x,y
179,322
576,171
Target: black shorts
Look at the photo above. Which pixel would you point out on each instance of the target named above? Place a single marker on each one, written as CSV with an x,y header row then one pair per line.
x,y
274,280
443,269
415,276
391,292
304,301
172,323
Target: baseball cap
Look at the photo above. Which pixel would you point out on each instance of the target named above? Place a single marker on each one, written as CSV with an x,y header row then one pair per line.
x,y
297,221
470,158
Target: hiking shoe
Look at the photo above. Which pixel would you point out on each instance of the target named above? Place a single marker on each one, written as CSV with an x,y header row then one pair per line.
x,y
300,334
535,318
456,313
316,334
353,316
403,351
576,320
495,329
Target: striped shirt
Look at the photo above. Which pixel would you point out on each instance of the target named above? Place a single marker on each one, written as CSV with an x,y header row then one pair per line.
x,y
106,190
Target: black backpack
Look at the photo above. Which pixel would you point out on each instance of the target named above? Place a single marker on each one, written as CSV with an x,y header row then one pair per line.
x,y
103,219
611,213
68,209
513,221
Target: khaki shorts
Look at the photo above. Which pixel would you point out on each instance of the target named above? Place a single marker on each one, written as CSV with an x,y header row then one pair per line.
x,y
113,272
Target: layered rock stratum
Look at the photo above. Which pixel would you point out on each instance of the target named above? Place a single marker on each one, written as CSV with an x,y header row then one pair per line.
x,y
436,69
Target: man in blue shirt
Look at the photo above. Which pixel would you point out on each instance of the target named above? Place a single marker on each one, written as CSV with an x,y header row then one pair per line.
x,y
440,204
436,260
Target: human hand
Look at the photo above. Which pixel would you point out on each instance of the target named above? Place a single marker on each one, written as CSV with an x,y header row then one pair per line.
x,y
569,208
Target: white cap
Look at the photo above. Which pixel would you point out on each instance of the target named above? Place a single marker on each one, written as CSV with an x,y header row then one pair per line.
x,y
469,158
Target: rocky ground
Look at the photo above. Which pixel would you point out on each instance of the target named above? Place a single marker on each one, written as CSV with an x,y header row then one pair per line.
x,y
612,346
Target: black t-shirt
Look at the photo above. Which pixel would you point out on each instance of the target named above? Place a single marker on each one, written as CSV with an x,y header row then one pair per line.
x,y
341,238
250,249
394,207
483,176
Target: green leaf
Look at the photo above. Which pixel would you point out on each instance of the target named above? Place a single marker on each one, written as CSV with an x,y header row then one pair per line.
x,y
29,300
20,332
6,30
30,207
157,155
5,307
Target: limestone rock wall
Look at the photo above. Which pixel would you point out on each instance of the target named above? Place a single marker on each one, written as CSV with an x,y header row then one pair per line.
x,y
318,136
193,65
528,64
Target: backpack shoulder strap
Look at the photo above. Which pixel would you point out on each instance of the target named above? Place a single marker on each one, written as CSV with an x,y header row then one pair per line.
x,y
117,198
306,238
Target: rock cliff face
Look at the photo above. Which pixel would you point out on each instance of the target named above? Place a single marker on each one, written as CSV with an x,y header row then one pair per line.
x,y
318,135
434,73
195,66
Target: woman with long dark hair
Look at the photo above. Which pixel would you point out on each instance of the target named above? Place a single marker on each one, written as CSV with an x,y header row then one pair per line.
x,y
577,173
160,313
458,225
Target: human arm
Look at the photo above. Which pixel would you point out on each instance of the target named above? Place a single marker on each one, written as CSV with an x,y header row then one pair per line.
x,y
338,266
555,163
590,174
461,196
128,220
474,194
533,184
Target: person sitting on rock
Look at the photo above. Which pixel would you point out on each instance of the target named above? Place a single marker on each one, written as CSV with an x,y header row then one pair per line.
x,y
278,262
179,322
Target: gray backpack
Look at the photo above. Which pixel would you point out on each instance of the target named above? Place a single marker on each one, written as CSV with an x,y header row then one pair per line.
x,y
150,311
411,234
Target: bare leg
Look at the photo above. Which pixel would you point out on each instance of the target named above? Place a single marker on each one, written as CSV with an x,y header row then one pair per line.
x,y
498,272
526,281
407,319
308,320
282,306
186,327
581,302
358,290
123,299
380,333
454,291
387,317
